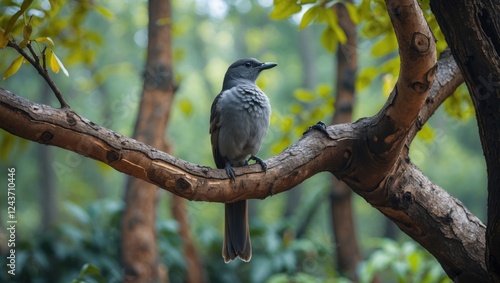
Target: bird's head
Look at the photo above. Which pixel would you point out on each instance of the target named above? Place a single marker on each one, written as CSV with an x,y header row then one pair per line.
x,y
245,69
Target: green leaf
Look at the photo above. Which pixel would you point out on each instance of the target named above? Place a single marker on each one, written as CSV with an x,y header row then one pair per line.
x,y
25,5
55,64
13,19
332,20
284,8
329,40
27,29
186,106
323,90
296,109
414,260
281,145
388,83
459,104
46,40
286,124
385,46
353,12
107,14
90,269
13,68
373,28
303,95
4,38
365,77
76,211
308,17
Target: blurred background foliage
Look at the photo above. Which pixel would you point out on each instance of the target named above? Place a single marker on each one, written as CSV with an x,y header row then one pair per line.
x,y
102,45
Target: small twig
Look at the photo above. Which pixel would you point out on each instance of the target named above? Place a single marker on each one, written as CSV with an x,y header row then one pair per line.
x,y
35,62
33,53
44,60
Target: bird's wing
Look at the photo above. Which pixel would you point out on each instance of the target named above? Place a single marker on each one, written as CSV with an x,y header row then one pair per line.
x,y
214,134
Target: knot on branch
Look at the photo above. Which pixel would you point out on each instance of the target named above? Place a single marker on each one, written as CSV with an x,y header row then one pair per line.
x,y
182,184
46,136
70,118
422,87
431,74
420,42
112,156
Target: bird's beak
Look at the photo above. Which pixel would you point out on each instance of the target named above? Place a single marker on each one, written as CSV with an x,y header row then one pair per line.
x,y
267,65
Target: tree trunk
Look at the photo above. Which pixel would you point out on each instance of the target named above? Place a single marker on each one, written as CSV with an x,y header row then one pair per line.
x,y
139,251
472,30
346,244
194,268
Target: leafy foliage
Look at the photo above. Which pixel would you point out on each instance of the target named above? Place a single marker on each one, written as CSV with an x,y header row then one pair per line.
x,y
401,262
90,241
88,273
40,24
374,24
309,107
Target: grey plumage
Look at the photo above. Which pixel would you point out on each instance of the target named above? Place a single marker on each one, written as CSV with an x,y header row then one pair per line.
x,y
239,120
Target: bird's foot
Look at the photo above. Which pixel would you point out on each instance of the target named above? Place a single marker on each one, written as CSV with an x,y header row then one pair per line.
x,y
320,126
260,161
230,171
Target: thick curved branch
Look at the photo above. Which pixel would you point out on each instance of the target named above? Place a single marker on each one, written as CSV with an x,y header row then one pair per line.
x,y
436,220
386,135
448,79
66,129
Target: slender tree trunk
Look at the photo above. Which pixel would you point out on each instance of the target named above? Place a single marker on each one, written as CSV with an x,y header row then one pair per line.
x,y
346,244
472,30
195,271
139,249
139,238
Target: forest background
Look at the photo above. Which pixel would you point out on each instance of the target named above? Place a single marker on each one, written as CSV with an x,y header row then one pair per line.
x,y
69,207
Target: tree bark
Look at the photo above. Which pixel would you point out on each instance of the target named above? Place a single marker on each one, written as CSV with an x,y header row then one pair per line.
x,y
194,270
139,251
369,155
346,243
472,30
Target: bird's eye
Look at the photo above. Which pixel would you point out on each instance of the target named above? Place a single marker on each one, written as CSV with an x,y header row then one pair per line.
x,y
248,64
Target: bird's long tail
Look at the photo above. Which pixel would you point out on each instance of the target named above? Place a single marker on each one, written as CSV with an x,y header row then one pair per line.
x,y
236,232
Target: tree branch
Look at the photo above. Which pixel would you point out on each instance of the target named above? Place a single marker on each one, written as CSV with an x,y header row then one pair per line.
x,y
448,78
35,62
436,220
66,129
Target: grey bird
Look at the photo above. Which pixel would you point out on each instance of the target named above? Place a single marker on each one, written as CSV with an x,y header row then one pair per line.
x,y
239,120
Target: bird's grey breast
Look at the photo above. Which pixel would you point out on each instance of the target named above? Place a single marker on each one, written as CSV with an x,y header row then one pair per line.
x,y
244,119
